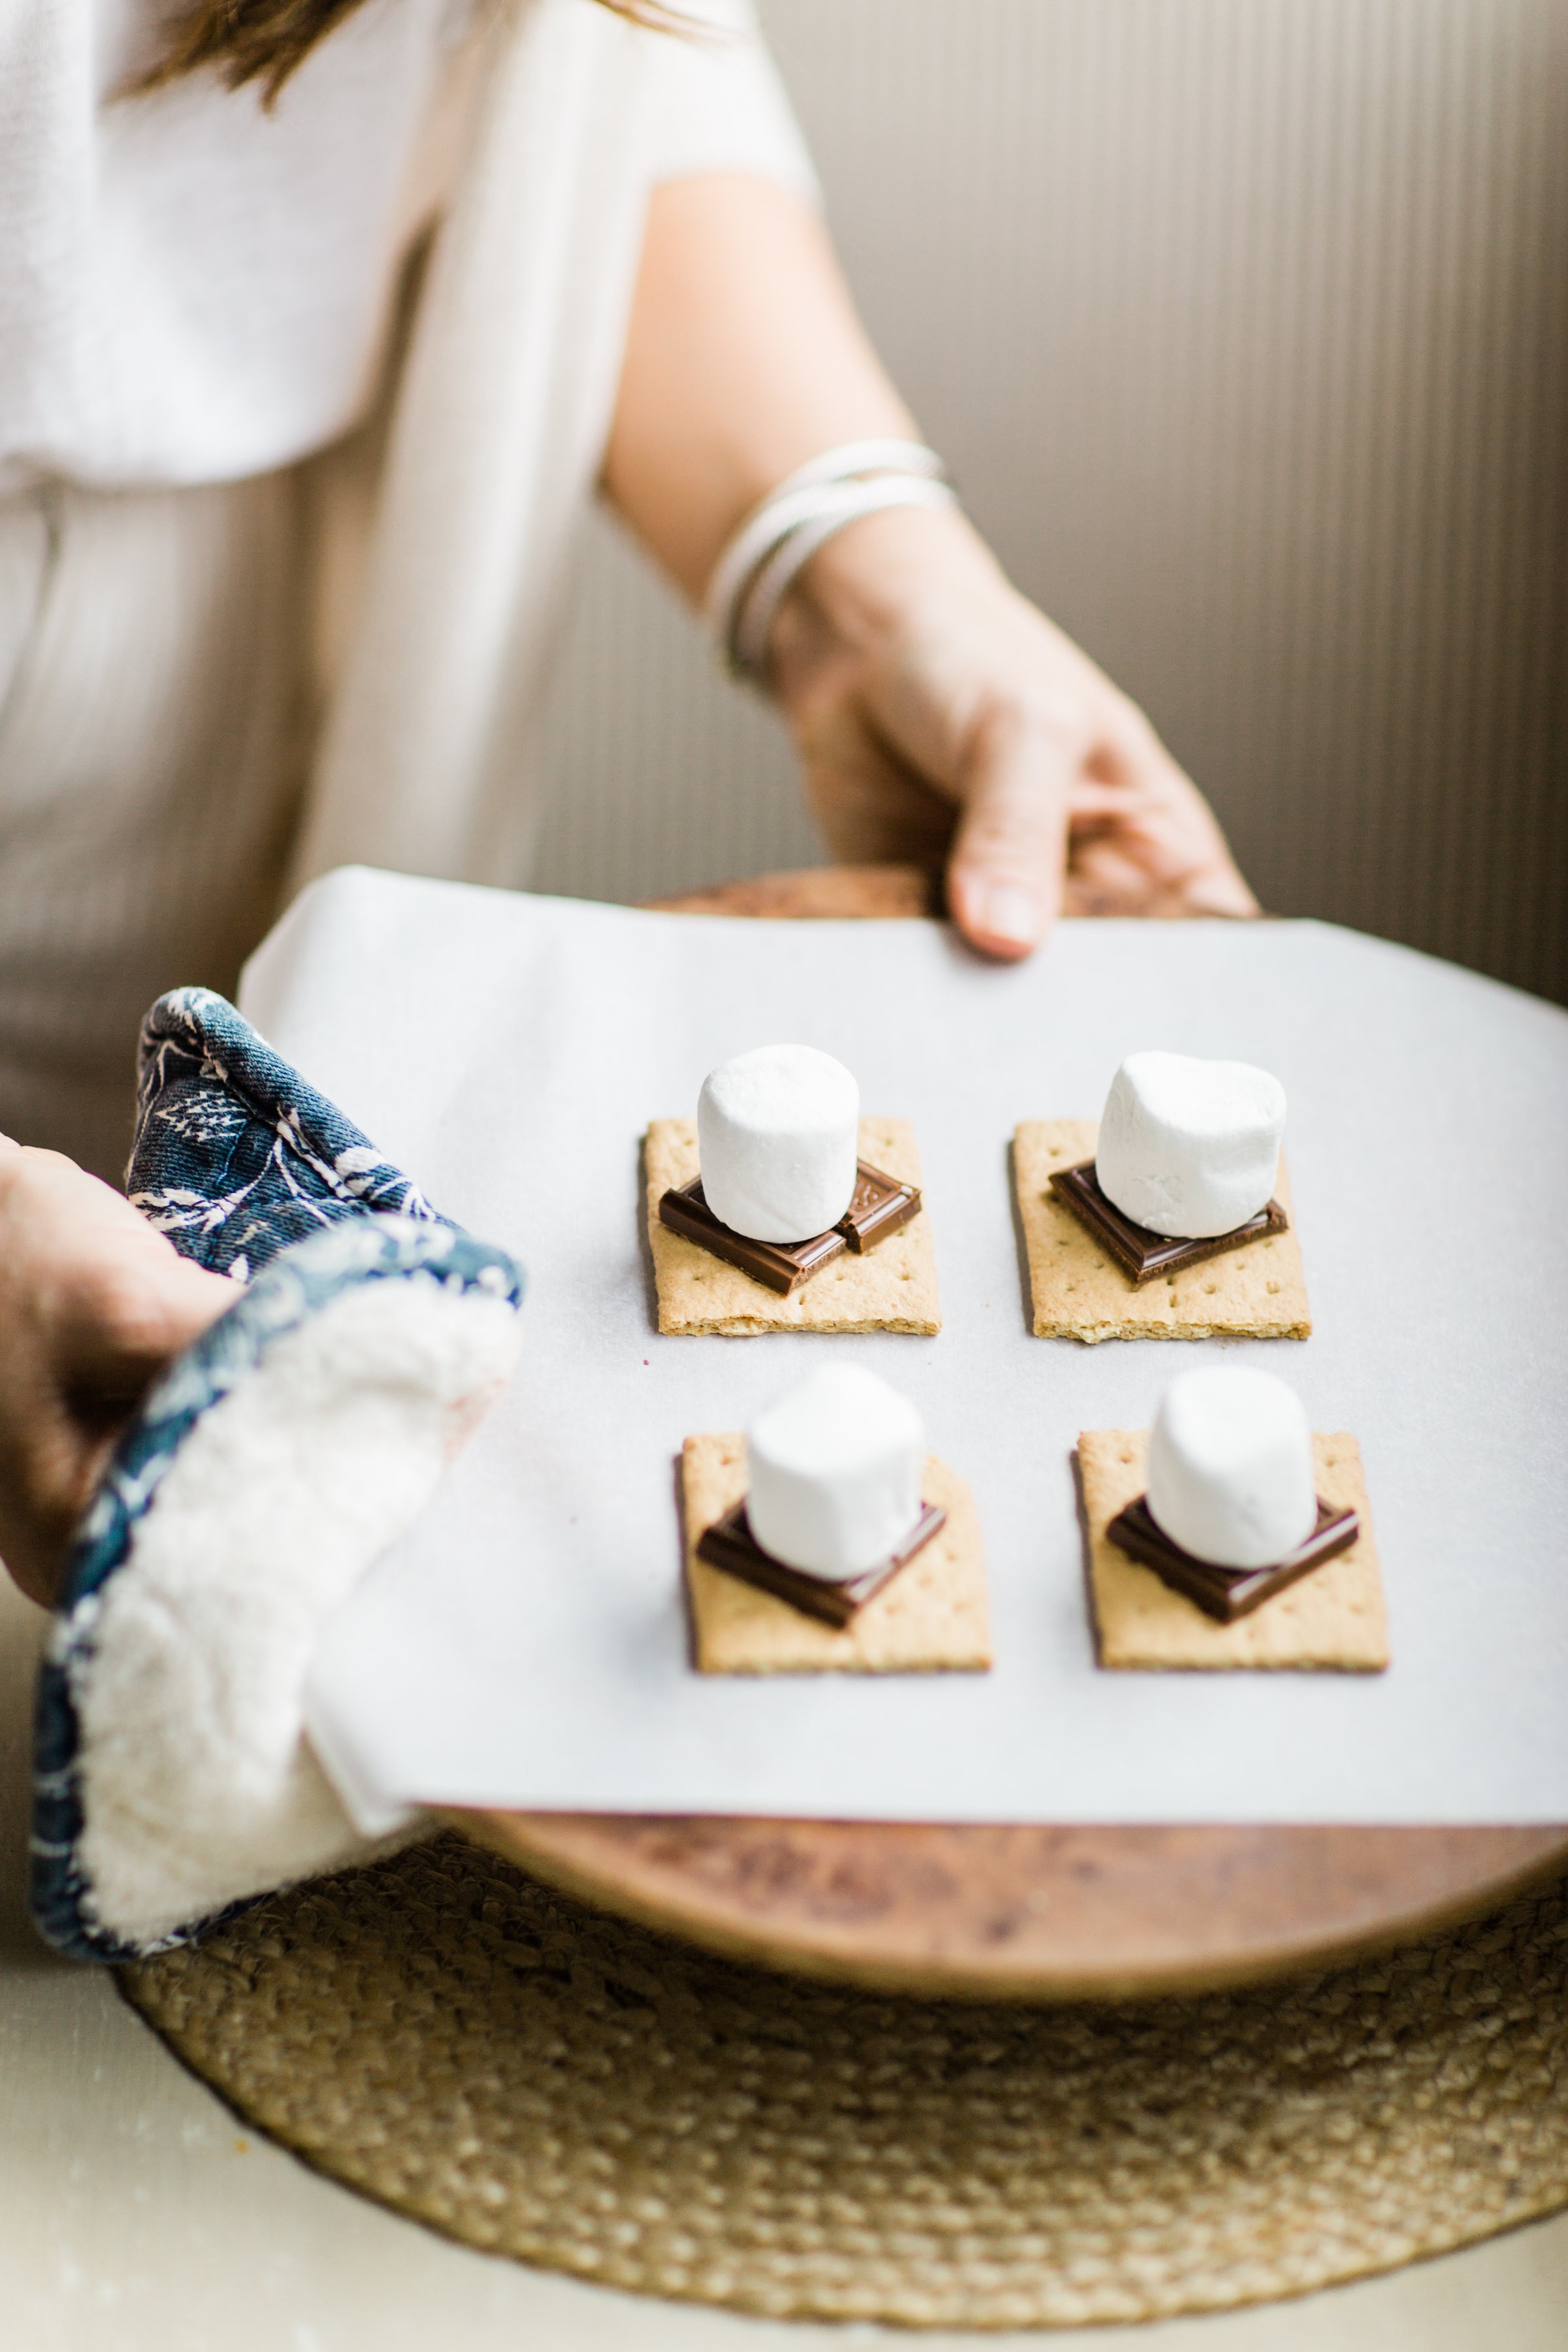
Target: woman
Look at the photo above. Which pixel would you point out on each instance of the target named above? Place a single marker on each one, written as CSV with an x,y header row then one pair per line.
x,y
319,321
225,665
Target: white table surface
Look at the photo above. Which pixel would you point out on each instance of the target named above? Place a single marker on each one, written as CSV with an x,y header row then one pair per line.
x,y
526,1644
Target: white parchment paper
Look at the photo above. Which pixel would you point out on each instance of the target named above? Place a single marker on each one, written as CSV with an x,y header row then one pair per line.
x,y
526,1644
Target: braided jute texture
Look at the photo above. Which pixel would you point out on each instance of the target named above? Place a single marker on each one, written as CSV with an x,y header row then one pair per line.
x,y
537,2078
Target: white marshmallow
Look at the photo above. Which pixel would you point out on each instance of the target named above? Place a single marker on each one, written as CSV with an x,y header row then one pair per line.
x,y
1230,1467
834,1473
1190,1149
777,1132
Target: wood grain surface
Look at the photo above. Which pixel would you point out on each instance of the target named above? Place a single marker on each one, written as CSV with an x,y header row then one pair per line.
x,y
1058,1913
1044,1913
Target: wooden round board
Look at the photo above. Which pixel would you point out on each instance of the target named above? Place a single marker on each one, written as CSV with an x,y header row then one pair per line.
x,y
1047,1913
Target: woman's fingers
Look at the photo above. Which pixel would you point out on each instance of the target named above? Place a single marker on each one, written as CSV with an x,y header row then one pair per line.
x,y
1005,873
94,1303
1150,844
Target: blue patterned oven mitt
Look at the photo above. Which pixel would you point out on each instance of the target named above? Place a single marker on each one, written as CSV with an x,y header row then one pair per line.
x,y
269,1465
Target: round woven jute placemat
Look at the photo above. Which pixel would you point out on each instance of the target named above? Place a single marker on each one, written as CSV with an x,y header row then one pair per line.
x,y
542,2080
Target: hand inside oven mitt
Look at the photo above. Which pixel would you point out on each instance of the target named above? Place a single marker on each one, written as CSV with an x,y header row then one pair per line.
x,y
268,1466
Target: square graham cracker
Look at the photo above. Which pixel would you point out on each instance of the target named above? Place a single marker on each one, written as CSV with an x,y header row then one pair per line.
x,y
1332,1620
932,1618
890,1288
1079,1291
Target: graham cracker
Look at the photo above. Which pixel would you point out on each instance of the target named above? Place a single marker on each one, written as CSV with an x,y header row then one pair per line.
x,y
1332,1619
933,1617
890,1288
1079,1291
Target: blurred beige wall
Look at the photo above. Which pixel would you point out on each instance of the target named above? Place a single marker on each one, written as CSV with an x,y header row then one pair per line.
x,y
1244,324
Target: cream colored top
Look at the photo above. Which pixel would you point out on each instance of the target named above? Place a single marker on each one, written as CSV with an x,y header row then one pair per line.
x,y
193,286
163,767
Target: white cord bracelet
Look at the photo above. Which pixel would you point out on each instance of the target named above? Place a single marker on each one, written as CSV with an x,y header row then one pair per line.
x,y
798,503
840,503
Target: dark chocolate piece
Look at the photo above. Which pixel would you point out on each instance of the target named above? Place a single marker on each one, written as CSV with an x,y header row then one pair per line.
x,y
782,1265
1138,1252
1228,1593
878,1207
728,1544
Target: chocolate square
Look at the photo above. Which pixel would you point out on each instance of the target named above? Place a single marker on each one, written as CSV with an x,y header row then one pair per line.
x,y
782,1265
730,1545
878,1205
1140,1253
1228,1593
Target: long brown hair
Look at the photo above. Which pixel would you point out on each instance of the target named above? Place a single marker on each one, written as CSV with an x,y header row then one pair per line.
x,y
266,40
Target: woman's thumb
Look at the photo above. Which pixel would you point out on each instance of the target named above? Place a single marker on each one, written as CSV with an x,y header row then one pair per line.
x,y
1004,870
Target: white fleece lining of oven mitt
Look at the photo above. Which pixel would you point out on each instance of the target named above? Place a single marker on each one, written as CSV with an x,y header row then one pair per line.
x,y
187,1669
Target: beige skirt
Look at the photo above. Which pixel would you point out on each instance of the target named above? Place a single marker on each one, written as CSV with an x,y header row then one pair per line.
x,y
153,733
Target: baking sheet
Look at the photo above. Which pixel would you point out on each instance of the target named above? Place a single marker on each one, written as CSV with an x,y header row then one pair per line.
x,y
526,1643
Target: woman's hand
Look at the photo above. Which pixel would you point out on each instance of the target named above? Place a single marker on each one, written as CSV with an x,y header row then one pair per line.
x,y
93,1304
936,711
942,719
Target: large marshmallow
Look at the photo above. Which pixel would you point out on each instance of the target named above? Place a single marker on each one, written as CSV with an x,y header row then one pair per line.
x,y
1230,1467
777,1130
834,1473
1190,1149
